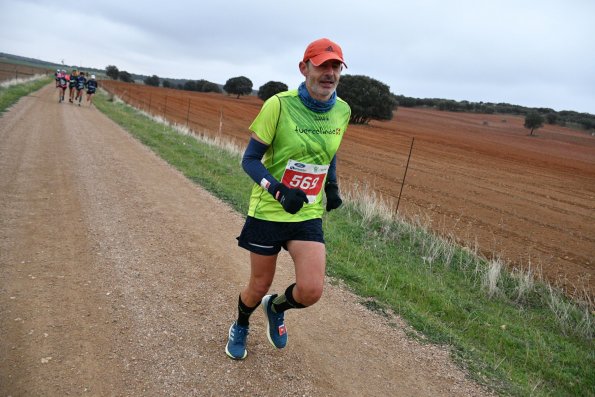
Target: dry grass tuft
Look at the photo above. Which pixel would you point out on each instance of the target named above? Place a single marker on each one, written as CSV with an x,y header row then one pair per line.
x,y
13,81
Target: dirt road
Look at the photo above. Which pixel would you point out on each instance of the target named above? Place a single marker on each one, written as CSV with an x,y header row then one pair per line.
x,y
119,277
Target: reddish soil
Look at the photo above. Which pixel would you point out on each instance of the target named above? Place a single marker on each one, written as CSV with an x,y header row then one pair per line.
x,y
529,200
12,70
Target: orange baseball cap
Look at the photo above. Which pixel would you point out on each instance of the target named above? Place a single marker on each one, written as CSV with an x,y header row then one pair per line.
x,y
322,50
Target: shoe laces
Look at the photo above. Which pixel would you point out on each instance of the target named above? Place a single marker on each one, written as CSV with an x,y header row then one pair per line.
x,y
239,334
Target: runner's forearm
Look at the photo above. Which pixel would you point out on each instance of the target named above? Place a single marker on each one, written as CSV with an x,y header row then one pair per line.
x,y
252,164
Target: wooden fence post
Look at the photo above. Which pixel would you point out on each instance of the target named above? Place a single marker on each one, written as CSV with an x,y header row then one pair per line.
x,y
404,176
188,113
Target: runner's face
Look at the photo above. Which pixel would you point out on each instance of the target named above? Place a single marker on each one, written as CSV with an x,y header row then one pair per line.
x,y
322,80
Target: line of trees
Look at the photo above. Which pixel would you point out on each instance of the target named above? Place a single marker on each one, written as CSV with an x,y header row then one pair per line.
x,y
200,86
371,99
584,120
112,72
152,81
271,88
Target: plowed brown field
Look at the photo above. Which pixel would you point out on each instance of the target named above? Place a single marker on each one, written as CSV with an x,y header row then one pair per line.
x,y
480,178
14,71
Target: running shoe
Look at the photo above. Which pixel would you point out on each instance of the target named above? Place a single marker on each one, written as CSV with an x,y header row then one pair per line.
x,y
276,331
236,345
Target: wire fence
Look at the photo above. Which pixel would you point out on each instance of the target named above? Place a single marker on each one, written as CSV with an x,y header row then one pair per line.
x,y
11,71
218,117
173,105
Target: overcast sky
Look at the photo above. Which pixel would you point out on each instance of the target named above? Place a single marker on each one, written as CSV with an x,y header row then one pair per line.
x,y
536,53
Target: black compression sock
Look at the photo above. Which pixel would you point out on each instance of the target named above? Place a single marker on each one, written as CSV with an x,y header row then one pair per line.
x,y
286,301
244,312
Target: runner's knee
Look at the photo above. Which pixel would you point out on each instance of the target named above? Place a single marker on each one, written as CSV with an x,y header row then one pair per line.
x,y
257,288
307,294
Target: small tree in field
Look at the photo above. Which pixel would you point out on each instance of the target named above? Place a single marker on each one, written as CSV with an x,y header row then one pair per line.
x,y
126,77
153,81
112,72
238,86
271,88
207,86
369,98
533,120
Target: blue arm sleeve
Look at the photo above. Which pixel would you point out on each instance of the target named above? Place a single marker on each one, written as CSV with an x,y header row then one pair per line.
x,y
331,176
252,164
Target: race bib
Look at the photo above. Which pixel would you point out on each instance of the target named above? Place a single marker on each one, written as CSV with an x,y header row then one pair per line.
x,y
307,177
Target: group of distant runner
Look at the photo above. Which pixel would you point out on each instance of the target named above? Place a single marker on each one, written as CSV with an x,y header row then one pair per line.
x,y
76,82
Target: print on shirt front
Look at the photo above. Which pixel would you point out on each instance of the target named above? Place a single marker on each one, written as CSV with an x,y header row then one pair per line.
x,y
295,133
307,177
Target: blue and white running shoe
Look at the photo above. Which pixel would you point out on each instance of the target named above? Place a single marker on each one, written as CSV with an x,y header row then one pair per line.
x,y
236,345
276,331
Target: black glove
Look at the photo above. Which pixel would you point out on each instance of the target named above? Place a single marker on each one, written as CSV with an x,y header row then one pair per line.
x,y
292,200
333,199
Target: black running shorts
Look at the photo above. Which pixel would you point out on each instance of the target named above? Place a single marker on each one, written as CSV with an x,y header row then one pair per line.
x,y
267,238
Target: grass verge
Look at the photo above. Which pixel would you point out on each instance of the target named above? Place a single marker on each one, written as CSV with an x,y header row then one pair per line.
x,y
10,94
517,336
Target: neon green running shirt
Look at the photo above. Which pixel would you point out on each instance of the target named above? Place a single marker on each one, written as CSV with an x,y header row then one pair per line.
x,y
302,144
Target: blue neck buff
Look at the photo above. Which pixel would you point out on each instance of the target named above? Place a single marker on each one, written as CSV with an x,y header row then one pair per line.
x,y
314,104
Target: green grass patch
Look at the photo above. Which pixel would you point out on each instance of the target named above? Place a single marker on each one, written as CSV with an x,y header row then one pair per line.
x,y
517,346
518,338
10,95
